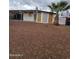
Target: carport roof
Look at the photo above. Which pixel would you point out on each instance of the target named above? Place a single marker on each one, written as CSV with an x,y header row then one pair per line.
x,y
25,11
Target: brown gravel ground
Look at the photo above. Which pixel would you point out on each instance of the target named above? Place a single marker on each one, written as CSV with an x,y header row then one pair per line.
x,y
30,40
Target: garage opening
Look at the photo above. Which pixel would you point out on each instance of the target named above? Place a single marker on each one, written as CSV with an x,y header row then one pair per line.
x,y
19,16
15,16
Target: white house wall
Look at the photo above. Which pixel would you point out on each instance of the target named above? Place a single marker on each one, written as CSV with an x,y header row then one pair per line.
x,y
62,17
27,17
45,17
62,20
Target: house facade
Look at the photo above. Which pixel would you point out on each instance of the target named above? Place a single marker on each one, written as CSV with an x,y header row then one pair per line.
x,y
32,16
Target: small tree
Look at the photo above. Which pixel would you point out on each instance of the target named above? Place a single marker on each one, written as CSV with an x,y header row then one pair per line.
x,y
56,7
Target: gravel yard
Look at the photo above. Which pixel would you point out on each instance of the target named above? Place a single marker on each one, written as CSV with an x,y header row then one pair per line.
x,y
28,40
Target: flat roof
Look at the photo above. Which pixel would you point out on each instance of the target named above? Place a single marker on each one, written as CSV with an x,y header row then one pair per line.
x,y
30,11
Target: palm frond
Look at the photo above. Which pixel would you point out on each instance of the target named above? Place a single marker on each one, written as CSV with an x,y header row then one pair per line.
x,y
58,7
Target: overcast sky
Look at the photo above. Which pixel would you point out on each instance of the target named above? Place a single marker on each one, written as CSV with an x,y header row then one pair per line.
x,y
30,4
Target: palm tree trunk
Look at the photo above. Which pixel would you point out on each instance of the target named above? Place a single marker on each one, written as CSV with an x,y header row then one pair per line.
x,y
56,19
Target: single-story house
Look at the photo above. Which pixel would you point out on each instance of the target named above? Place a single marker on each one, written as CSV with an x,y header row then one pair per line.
x,y
32,15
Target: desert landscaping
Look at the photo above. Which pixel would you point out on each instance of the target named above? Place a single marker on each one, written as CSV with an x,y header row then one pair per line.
x,y
38,41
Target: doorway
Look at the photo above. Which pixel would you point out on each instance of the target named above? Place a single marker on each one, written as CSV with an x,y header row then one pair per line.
x,y
68,21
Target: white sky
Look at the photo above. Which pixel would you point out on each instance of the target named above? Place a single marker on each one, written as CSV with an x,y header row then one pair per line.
x,y
30,4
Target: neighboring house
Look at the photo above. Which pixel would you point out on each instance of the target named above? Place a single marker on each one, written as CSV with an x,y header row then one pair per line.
x,y
32,15
64,16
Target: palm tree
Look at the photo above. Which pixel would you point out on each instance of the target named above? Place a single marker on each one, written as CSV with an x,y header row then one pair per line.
x,y
56,7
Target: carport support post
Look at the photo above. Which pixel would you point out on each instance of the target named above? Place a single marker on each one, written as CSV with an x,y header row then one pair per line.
x,y
36,13
21,16
16,16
